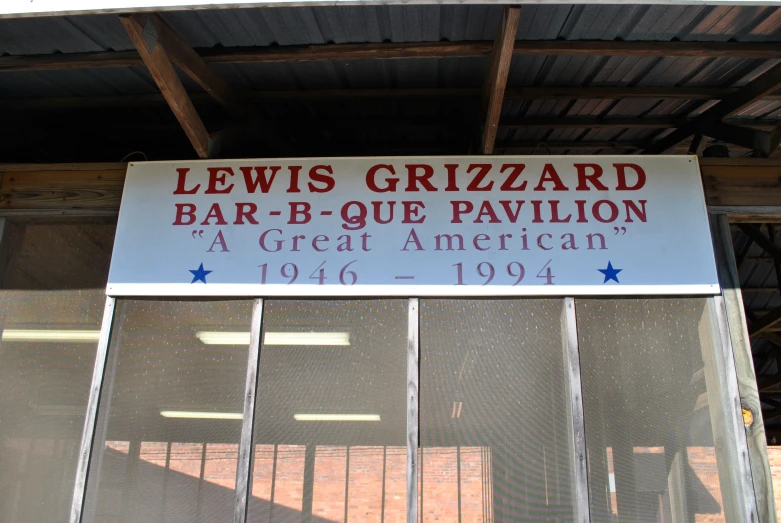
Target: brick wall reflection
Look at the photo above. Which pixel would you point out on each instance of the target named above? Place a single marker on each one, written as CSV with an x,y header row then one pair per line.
x,y
361,483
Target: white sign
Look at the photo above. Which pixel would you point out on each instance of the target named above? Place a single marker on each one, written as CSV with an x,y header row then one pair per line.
x,y
21,8
534,225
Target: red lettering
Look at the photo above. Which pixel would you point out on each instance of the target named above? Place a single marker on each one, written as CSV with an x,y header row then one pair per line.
x,y
480,238
214,213
411,210
259,180
180,181
371,183
512,215
353,222
639,211
217,176
294,170
487,210
459,208
325,178
596,209
299,209
554,210
245,211
517,169
482,171
377,215
549,174
451,177
182,210
621,174
540,244
584,178
316,240
581,211
537,207
414,179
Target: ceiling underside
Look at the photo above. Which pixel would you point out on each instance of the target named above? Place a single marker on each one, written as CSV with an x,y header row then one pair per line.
x,y
329,107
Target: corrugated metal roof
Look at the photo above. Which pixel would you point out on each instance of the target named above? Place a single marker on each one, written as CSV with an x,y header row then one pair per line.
x,y
286,26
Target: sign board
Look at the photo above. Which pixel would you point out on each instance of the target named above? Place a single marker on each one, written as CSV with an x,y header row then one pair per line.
x,y
21,8
414,226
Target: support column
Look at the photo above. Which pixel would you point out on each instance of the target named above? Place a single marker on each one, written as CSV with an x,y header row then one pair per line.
x,y
744,368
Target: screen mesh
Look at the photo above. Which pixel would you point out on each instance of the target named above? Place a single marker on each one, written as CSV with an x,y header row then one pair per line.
x,y
494,425
47,354
646,395
166,444
330,425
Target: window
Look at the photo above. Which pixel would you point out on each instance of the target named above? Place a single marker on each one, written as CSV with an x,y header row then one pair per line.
x,y
330,423
495,433
53,278
651,403
167,437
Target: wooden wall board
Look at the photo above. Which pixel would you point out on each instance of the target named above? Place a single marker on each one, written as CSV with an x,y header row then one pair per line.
x,y
61,186
746,189
742,185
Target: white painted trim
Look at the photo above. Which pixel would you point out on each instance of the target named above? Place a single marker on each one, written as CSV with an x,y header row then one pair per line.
x,y
258,290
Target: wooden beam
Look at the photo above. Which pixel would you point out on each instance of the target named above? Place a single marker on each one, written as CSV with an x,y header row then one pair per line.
x,y
768,244
628,123
61,188
742,182
589,123
496,82
387,51
575,145
768,51
709,120
751,183
729,278
765,322
191,63
511,93
162,70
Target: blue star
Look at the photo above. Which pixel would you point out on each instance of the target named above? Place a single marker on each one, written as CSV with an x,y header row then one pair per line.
x,y
610,273
199,274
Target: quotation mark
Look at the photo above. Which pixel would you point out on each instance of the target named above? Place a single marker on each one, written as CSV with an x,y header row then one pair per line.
x,y
198,232
621,230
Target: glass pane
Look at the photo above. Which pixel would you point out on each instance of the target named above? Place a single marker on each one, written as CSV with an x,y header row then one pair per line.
x,y
166,445
50,324
495,430
330,424
647,398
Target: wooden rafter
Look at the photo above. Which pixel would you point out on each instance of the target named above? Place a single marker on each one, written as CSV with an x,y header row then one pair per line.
x,y
496,82
156,59
768,244
192,64
710,121
374,51
511,93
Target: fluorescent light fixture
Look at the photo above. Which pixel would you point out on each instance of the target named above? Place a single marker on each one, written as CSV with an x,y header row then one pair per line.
x,y
200,415
336,417
52,336
223,338
276,338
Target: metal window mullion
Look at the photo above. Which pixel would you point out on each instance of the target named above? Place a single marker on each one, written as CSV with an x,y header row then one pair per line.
x,y
248,421
413,399
91,418
575,393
